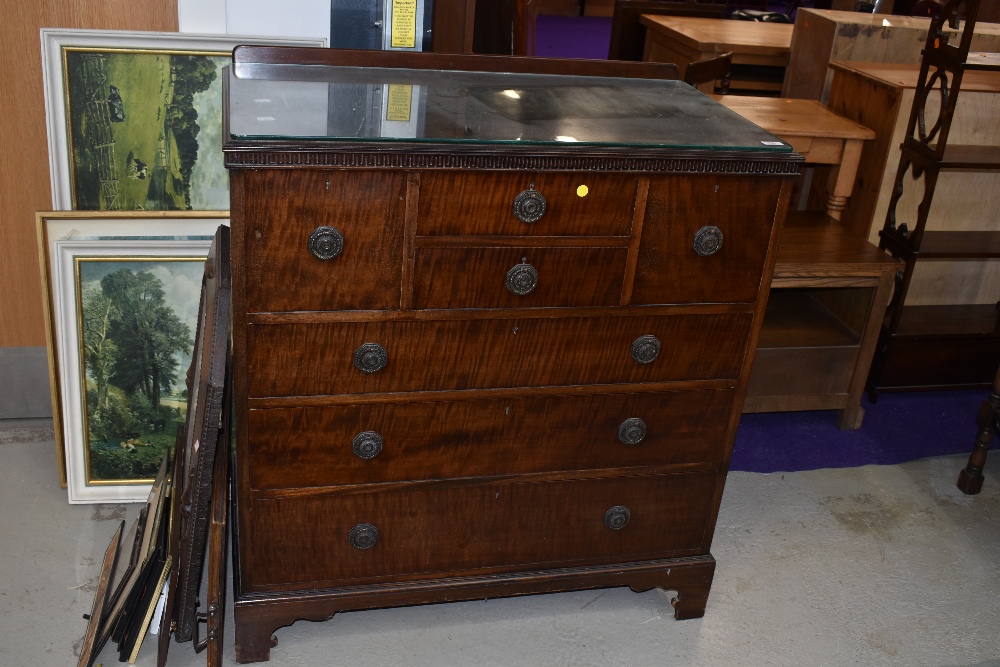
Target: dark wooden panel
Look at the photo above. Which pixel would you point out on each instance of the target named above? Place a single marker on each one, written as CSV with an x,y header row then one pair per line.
x,y
283,207
300,447
454,204
670,271
444,530
306,359
915,362
476,278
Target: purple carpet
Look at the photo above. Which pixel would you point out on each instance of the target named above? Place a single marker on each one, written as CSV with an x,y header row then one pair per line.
x,y
900,427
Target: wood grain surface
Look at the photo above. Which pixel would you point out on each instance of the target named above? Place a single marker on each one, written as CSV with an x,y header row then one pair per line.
x,y
301,447
25,175
448,529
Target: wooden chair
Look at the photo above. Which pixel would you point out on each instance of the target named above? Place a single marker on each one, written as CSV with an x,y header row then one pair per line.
x,y
970,480
714,71
628,35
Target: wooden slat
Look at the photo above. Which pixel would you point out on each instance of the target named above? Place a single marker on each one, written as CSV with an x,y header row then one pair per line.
x,y
965,156
967,245
982,319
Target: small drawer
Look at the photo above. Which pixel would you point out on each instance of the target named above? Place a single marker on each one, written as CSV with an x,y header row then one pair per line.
x,y
449,529
518,277
483,204
364,444
728,219
375,357
323,240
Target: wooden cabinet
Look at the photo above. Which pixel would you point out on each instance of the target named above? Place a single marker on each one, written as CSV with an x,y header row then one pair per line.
x,y
822,36
500,364
828,296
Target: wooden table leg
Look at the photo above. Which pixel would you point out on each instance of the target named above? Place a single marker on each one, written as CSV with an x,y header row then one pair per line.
x,y
841,182
970,480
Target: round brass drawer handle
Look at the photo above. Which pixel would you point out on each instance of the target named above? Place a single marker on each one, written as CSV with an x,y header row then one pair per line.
x,y
632,431
363,536
326,242
707,240
529,205
522,279
617,517
367,445
645,349
371,358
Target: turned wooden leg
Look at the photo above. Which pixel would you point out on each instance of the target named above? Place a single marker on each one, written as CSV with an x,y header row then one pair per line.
x,y
970,480
841,183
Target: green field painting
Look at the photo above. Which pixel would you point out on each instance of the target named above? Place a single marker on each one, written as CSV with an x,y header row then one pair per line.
x,y
139,317
145,130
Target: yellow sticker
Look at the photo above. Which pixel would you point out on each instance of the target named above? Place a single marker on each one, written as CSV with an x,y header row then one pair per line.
x,y
404,24
582,191
398,105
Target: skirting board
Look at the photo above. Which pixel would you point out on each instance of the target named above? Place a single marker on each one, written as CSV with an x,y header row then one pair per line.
x,y
24,392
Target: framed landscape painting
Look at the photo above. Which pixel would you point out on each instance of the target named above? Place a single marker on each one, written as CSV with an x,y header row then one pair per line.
x,y
135,118
123,293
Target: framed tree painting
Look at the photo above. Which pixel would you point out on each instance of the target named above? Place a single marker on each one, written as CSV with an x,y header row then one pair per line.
x,y
123,292
134,119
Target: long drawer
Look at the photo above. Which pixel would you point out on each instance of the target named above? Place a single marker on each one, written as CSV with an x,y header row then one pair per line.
x,y
389,442
438,530
373,357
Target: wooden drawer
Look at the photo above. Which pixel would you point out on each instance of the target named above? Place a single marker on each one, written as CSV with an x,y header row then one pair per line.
x,y
438,530
477,277
282,208
303,447
309,359
482,204
670,271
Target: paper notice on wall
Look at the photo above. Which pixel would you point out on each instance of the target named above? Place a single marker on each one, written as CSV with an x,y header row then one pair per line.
x,y
398,102
404,24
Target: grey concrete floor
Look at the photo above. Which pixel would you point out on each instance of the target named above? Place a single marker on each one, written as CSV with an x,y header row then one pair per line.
x,y
879,565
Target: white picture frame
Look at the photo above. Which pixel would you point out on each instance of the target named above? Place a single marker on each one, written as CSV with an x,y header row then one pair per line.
x,y
72,245
94,177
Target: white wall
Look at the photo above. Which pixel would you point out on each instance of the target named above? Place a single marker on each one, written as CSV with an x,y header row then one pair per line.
x,y
279,18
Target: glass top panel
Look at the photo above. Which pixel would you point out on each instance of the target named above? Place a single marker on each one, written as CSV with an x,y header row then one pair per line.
x,y
329,103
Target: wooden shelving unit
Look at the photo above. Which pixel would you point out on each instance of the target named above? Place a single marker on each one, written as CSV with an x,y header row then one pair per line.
x,y
828,295
938,346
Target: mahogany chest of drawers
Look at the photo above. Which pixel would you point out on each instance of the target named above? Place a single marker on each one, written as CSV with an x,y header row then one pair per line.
x,y
491,332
